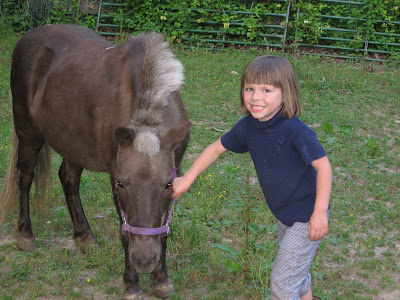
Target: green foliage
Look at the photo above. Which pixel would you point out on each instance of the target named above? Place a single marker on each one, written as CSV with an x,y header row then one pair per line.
x,y
230,263
371,146
23,16
68,12
309,23
358,26
197,22
354,26
15,14
332,131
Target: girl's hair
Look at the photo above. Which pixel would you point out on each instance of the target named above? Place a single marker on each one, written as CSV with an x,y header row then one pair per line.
x,y
278,72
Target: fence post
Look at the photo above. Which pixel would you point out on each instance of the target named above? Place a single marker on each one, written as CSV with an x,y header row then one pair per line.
x,y
366,44
286,26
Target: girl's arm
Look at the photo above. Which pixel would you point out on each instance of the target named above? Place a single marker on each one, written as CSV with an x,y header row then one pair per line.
x,y
206,158
318,225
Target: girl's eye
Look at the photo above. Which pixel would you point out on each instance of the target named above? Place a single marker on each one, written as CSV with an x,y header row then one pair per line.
x,y
266,91
119,184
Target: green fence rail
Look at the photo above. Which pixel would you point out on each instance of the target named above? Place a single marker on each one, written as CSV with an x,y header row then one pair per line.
x,y
105,19
273,35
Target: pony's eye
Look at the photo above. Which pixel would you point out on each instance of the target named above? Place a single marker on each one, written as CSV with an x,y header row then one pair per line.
x,y
168,185
119,184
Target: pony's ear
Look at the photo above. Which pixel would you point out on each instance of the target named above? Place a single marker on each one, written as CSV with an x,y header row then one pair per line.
x,y
172,137
124,136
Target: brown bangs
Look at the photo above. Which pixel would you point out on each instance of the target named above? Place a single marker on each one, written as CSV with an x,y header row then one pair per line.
x,y
260,74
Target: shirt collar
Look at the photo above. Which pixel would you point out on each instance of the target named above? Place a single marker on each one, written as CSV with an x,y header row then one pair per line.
x,y
266,124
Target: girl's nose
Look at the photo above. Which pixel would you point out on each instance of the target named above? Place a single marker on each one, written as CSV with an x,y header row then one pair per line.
x,y
256,95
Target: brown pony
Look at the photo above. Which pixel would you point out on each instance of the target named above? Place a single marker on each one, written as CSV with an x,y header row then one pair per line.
x,y
106,108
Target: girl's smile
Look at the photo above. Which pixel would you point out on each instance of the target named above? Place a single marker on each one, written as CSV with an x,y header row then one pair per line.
x,y
257,108
263,101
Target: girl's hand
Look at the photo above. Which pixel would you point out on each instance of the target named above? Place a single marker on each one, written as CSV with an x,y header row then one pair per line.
x,y
318,225
179,187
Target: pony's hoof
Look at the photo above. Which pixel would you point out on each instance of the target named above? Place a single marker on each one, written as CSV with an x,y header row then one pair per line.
x,y
26,244
87,245
136,296
89,248
164,291
134,293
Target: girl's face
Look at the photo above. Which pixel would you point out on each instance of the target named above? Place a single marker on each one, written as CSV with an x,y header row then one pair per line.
x,y
263,101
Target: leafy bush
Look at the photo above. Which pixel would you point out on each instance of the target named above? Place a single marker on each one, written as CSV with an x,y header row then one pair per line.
x,y
15,14
63,11
23,15
201,23
371,25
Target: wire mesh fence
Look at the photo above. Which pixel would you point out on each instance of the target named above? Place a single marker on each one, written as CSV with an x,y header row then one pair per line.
x,y
39,11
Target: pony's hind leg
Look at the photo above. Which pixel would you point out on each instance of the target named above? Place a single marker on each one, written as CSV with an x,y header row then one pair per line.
x,y
28,150
70,176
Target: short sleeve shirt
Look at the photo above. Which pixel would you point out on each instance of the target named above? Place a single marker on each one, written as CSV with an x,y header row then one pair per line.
x,y
282,151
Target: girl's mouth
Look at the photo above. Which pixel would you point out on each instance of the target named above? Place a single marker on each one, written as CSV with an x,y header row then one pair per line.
x,y
257,108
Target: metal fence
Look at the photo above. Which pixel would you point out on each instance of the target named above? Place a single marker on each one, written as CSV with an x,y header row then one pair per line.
x,y
310,32
274,26
351,37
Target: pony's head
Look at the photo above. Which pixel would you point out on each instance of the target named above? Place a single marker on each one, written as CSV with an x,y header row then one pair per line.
x,y
146,148
145,168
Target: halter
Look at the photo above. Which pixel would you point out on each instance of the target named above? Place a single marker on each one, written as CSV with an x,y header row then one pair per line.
x,y
163,230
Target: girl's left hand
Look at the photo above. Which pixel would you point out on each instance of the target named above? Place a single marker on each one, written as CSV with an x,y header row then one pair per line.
x,y
318,225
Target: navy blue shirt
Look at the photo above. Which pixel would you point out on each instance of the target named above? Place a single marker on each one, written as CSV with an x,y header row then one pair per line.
x,y
282,151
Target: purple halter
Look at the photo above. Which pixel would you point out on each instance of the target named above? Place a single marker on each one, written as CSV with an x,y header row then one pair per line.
x,y
163,230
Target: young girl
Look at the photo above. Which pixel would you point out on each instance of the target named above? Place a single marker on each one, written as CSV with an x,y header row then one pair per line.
x,y
292,168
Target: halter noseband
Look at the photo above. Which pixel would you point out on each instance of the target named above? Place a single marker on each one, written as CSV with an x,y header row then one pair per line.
x,y
163,230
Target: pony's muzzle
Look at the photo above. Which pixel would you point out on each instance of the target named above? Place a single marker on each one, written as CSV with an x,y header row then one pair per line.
x,y
144,253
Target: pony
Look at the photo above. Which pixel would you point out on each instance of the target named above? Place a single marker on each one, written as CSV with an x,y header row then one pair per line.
x,y
105,108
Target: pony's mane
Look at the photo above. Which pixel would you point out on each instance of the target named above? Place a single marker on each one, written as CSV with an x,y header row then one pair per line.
x,y
162,75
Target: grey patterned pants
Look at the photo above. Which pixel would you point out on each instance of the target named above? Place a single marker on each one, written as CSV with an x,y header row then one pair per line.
x,y
290,277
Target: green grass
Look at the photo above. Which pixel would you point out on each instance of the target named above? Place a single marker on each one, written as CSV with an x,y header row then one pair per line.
x,y
223,223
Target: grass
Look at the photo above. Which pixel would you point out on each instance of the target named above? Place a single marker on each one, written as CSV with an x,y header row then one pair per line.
x,y
223,241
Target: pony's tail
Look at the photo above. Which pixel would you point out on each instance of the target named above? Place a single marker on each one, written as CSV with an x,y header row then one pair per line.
x,y
42,180
9,194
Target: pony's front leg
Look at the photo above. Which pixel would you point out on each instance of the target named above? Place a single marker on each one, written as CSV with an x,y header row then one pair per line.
x,y
131,277
163,287
70,176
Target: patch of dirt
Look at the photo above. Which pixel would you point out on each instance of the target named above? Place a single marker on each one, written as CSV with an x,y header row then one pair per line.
x,y
391,295
62,243
395,295
394,276
57,242
7,239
